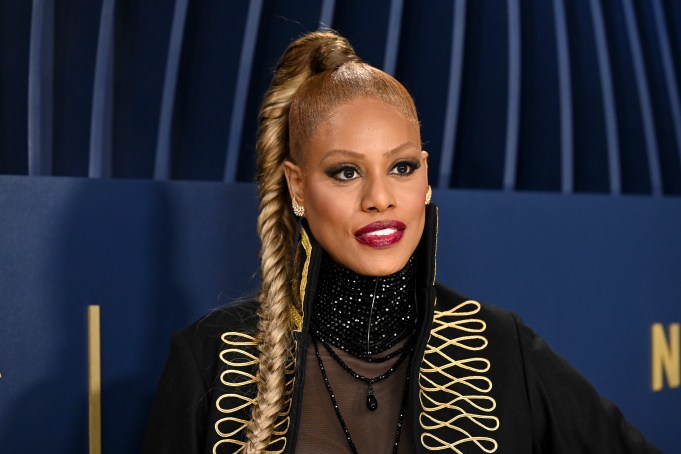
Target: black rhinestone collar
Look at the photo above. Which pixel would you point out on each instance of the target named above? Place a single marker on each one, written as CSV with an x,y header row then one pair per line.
x,y
363,315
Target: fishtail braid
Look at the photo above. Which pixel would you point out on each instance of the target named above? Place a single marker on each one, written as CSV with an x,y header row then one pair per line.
x,y
312,54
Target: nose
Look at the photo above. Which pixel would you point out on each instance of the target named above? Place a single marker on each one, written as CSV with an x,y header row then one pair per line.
x,y
378,195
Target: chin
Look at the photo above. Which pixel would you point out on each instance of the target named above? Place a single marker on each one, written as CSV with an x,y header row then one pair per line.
x,y
367,261
372,266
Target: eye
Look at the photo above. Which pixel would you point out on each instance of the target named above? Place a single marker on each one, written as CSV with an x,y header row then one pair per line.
x,y
343,173
405,168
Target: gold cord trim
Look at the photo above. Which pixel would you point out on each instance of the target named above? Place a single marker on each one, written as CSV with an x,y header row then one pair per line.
x,y
296,315
240,374
454,391
296,318
437,233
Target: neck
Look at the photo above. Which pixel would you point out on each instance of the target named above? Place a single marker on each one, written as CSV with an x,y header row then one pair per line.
x,y
363,315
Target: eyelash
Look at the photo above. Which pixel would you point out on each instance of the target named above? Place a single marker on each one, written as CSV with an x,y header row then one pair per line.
x,y
412,166
336,171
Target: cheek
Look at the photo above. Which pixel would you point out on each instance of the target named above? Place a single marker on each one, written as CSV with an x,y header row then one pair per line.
x,y
414,206
327,207
413,199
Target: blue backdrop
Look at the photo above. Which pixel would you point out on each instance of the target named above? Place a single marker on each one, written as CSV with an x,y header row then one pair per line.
x,y
126,165
590,273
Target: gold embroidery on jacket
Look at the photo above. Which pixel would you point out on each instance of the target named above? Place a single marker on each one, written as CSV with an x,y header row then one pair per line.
x,y
296,315
240,373
453,391
437,232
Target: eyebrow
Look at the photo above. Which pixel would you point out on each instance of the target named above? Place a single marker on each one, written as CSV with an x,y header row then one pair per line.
x,y
355,155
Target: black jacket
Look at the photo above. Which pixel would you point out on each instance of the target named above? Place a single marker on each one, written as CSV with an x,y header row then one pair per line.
x,y
486,383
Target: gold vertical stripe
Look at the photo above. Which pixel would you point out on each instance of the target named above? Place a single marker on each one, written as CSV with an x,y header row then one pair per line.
x,y
94,380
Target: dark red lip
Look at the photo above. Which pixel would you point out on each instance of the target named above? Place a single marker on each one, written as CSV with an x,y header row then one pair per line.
x,y
380,225
364,236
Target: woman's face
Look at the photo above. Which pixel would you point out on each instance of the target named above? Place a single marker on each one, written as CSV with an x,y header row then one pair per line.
x,y
363,186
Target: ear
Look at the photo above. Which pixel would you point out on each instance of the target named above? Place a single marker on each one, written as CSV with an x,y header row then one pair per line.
x,y
294,180
424,159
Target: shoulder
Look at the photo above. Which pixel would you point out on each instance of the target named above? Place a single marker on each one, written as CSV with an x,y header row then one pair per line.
x,y
532,385
205,338
501,335
498,330
185,400
497,319
239,316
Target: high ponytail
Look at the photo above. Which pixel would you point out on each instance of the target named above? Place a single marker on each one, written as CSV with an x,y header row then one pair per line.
x,y
311,55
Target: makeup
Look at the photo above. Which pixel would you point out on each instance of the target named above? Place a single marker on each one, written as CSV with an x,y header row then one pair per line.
x,y
381,234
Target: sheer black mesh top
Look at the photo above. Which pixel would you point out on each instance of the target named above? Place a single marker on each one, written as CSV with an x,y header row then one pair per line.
x,y
360,325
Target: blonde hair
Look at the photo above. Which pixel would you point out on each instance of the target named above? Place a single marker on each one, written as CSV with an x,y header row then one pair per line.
x,y
317,73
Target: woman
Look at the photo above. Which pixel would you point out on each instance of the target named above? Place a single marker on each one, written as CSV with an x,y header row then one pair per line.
x,y
350,345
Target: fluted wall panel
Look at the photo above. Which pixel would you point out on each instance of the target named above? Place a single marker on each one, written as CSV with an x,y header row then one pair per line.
x,y
568,95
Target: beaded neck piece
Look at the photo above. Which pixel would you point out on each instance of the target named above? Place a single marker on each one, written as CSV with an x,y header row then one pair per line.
x,y
364,315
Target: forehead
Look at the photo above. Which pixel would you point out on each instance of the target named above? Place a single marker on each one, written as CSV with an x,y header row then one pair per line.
x,y
365,126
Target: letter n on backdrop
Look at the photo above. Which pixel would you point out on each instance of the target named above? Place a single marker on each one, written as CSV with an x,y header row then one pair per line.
x,y
666,356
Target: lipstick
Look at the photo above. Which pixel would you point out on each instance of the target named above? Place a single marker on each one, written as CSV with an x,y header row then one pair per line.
x,y
381,234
